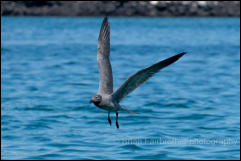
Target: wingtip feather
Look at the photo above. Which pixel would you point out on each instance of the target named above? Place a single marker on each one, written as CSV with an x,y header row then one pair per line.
x,y
105,21
105,30
180,55
183,53
106,18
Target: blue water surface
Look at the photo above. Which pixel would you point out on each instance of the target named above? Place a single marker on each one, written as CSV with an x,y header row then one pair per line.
x,y
190,110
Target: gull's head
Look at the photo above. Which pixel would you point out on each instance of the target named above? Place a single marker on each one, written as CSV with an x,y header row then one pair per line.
x,y
96,99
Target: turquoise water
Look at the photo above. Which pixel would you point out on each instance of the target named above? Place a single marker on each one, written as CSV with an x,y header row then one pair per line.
x,y
190,110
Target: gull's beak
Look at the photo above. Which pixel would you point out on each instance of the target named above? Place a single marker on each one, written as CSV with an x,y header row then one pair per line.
x,y
90,101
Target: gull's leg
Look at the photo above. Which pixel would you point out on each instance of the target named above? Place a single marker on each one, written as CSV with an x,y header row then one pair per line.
x,y
109,120
116,122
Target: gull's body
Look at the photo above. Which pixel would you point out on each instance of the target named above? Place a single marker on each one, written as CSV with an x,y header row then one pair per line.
x,y
107,99
108,104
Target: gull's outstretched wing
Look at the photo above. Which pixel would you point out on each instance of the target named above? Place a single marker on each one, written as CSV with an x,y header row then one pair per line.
x,y
141,76
106,79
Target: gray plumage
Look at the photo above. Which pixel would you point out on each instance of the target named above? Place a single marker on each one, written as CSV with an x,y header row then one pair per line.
x,y
103,53
105,98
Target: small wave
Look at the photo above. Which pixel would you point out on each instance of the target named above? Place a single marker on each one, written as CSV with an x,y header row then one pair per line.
x,y
10,137
157,156
187,130
61,145
153,104
177,105
193,117
47,156
210,128
36,126
40,139
70,63
192,148
61,116
36,108
131,147
33,88
79,84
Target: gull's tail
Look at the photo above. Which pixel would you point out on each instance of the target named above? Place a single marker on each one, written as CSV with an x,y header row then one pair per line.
x,y
125,110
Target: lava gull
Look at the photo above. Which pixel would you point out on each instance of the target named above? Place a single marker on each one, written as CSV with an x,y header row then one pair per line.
x,y
107,99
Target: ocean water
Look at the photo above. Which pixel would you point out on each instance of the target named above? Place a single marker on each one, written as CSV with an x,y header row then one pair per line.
x,y
189,110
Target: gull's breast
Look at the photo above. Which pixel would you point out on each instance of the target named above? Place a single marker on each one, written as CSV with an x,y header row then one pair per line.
x,y
107,104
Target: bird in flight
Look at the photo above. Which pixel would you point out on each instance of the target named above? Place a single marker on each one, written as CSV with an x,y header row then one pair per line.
x,y
107,99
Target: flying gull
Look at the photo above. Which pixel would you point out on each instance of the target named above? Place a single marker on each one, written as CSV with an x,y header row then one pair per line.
x,y
107,99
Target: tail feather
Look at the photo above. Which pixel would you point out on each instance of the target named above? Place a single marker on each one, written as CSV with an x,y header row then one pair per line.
x,y
125,110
